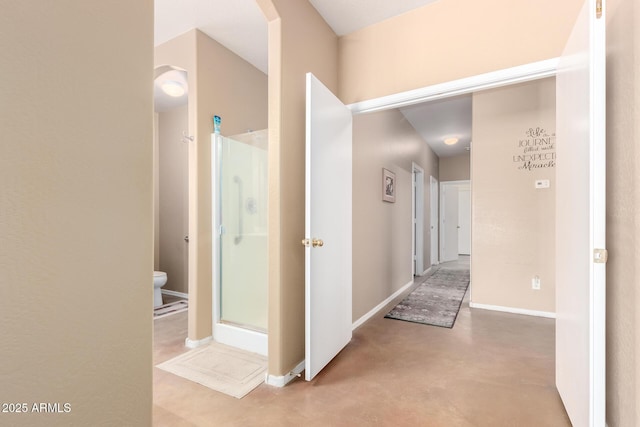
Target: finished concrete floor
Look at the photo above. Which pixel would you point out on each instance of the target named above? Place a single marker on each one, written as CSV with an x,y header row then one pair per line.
x,y
491,369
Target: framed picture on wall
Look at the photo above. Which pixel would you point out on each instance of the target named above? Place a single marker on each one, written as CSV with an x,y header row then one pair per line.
x,y
388,186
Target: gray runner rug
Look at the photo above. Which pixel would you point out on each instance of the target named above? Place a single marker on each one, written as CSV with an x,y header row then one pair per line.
x,y
436,301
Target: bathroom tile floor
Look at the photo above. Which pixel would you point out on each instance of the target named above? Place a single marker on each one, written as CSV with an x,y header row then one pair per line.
x,y
491,369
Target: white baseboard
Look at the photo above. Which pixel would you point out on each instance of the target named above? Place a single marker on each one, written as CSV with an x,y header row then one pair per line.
x,y
189,343
245,339
513,310
283,380
174,293
380,306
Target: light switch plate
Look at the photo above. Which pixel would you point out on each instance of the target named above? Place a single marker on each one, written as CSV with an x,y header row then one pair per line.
x,y
542,183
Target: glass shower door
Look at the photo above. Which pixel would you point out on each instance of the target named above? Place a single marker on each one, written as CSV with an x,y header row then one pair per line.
x,y
243,231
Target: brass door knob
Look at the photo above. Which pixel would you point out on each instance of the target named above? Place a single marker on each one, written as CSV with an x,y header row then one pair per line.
x,y
316,243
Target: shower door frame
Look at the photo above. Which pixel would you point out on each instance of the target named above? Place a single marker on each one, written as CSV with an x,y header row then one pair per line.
x,y
235,336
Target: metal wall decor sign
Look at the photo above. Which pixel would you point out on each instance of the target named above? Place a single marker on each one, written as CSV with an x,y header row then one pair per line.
x,y
536,150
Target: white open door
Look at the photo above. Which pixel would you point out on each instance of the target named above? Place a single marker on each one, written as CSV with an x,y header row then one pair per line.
x,y
580,221
328,322
449,219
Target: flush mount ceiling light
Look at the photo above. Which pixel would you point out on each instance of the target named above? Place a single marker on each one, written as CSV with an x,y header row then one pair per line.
x,y
451,141
173,88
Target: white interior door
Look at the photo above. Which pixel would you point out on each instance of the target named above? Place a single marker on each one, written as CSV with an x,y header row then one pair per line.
x,y
433,195
418,220
328,322
449,226
464,221
580,221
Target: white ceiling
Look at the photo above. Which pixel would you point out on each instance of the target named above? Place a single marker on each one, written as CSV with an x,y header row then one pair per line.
x,y
347,16
240,26
445,118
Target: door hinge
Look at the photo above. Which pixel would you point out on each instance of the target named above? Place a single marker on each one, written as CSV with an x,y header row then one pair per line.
x,y
598,9
600,256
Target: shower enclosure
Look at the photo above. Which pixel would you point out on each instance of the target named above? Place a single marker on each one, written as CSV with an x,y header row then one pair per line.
x,y
240,240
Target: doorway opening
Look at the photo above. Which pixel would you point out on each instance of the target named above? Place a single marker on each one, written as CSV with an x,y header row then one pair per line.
x,y
171,186
591,312
455,218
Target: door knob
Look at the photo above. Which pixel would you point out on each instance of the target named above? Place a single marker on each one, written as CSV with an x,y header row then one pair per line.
x,y
316,243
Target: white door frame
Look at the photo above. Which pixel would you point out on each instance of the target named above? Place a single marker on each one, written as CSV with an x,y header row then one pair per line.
x,y
417,213
434,222
508,76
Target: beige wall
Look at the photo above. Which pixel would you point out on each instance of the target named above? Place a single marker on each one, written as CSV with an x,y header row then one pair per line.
x,y
76,228
513,223
623,211
220,83
173,197
448,40
382,231
455,168
299,42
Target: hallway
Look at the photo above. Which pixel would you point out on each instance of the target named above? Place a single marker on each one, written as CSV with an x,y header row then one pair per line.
x,y
490,369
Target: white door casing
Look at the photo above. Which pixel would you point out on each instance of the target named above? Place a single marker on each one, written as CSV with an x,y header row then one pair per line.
x,y
328,217
418,220
433,195
580,221
464,221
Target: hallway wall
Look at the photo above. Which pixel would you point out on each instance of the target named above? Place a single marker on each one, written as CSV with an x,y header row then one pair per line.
x,y
513,223
300,41
382,231
455,168
623,211
76,256
449,40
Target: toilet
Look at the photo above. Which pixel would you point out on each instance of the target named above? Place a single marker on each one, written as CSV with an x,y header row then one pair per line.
x,y
159,280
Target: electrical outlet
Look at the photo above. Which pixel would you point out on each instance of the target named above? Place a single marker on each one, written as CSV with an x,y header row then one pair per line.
x,y
535,283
